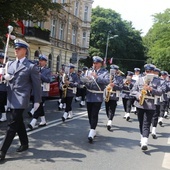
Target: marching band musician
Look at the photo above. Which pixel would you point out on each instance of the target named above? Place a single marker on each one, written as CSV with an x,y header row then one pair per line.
x,y
145,91
22,77
71,82
3,92
127,99
45,74
157,110
61,102
94,97
78,96
135,77
136,74
82,89
164,98
116,85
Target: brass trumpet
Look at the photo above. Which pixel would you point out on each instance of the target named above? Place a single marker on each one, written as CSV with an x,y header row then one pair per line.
x,y
127,81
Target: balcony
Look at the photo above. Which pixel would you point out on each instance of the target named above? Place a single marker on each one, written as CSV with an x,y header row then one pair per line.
x,y
37,36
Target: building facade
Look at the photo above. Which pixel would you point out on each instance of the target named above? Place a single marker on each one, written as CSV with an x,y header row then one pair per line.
x,y
64,38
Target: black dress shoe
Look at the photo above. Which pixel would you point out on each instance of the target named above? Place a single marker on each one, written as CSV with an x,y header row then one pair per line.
x,y
30,126
90,139
29,113
22,148
144,147
128,118
42,125
2,155
63,119
154,136
160,123
108,127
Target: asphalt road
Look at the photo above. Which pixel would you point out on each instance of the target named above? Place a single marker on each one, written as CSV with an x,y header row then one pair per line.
x,y
64,146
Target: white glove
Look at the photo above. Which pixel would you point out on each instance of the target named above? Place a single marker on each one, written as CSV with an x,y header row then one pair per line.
x,y
8,77
36,106
2,70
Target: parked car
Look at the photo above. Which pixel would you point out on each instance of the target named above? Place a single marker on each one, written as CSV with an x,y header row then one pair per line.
x,y
54,86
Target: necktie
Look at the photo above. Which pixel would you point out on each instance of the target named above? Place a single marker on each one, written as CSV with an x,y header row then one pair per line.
x,y
17,65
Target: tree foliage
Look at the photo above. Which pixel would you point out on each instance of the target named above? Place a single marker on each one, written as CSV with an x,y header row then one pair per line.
x,y
127,49
157,41
13,10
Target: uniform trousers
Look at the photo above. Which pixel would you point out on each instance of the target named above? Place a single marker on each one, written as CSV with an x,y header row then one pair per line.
x,y
127,104
145,119
163,106
83,93
16,125
40,111
3,99
155,116
68,101
61,93
93,112
110,108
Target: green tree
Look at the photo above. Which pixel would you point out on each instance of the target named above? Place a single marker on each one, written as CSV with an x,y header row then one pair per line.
x,y
157,41
127,49
13,10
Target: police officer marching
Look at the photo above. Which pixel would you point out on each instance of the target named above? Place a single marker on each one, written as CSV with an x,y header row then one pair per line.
x,y
127,99
82,88
45,74
157,105
3,92
135,77
61,102
95,81
164,98
22,77
70,83
146,90
112,92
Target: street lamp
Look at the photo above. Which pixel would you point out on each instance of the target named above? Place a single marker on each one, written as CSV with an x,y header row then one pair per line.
x,y
107,43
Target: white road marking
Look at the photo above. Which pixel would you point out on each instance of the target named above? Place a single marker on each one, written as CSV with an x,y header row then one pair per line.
x,y
54,123
166,160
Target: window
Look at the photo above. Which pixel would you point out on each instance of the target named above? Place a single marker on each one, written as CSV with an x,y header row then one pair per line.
x,y
63,1
28,23
84,39
76,8
50,60
40,24
86,13
61,32
54,1
53,28
74,33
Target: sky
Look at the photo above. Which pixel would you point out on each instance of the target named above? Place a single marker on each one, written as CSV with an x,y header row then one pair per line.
x,y
139,12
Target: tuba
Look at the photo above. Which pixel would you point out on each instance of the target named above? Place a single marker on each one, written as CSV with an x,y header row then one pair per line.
x,y
108,89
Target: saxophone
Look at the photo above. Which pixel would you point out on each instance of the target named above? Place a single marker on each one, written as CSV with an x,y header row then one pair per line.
x,y
142,97
144,92
64,79
109,88
64,86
